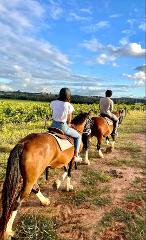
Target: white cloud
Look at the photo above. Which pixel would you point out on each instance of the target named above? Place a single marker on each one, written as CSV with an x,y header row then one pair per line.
x,y
86,10
55,10
76,17
139,77
102,24
5,87
134,49
124,41
29,64
92,45
115,15
129,49
142,26
103,58
114,64
110,53
92,28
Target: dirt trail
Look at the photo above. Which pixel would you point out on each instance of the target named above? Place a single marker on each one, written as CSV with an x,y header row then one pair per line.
x,y
78,222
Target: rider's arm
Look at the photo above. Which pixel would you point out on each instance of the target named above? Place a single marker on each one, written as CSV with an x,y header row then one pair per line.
x,y
69,118
111,106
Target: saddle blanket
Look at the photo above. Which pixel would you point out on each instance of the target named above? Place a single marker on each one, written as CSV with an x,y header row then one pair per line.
x,y
64,144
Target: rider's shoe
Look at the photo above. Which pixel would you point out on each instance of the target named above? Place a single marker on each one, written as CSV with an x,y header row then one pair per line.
x,y
77,159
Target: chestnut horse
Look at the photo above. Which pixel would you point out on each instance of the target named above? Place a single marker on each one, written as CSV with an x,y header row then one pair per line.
x,y
27,161
99,129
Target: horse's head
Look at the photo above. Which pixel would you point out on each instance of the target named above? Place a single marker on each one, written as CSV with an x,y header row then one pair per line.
x,y
120,114
79,121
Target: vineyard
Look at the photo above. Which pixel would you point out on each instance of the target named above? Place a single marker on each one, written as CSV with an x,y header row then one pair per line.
x,y
108,199
25,111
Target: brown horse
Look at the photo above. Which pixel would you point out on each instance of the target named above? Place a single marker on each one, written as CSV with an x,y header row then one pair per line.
x,y
100,128
27,161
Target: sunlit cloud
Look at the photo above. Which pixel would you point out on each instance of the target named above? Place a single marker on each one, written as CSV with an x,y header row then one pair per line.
x,y
138,77
110,53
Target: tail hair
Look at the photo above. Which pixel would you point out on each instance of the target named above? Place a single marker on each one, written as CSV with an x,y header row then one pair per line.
x,y
11,192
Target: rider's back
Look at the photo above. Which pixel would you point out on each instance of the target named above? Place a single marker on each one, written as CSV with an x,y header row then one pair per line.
x,y
106,105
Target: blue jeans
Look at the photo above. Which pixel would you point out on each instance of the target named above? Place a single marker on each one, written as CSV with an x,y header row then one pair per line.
x,y
70,132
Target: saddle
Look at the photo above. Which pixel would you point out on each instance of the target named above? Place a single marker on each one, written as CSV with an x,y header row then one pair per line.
x,y
108,120
60,134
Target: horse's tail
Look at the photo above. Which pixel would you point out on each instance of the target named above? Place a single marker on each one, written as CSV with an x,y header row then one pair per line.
x,y
10,192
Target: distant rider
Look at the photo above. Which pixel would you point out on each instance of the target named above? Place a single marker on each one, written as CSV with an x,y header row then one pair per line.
x,y
106,108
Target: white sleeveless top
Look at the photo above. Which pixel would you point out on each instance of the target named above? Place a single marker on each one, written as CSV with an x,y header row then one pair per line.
x,y
61,110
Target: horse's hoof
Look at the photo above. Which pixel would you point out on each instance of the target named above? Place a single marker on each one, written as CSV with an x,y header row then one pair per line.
x,y
87,162
46,202
69,188
8,234
101,156
108,149
56,184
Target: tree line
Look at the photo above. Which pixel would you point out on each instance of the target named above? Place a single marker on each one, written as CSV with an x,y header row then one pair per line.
x,y
48,97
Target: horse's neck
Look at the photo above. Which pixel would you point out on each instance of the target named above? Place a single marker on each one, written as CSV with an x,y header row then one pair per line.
x,y
78,127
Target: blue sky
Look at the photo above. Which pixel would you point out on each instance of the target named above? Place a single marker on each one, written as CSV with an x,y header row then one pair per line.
x,y
86,45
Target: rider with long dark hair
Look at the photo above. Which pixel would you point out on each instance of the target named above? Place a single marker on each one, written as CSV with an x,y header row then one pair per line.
x,y
62,116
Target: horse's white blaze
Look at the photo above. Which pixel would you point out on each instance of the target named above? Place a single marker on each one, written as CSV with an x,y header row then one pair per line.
x,y
44,200
10,223
113,144
100,154
107,142
69,186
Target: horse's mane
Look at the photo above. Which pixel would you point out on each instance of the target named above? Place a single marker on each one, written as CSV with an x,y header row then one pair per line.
x,y
79,119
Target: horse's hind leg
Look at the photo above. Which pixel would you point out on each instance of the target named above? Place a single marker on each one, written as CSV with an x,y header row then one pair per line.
x,y
24,194
69,186
108,148
99,139
107,140
44,201
113,143
58,182
85,139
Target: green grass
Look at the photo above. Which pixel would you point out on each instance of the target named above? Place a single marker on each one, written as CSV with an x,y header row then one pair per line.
x,y
92,177
36,227
85,195
134,122
102,201
116,215
134,224
136,162
135,195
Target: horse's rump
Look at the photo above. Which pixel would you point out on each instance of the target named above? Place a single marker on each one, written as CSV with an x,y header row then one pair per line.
x,y
101,127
